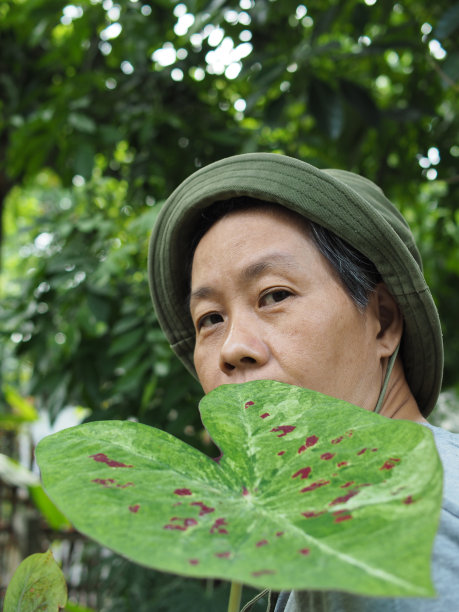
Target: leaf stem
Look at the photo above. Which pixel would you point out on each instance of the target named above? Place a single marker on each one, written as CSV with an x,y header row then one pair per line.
x,y
234,603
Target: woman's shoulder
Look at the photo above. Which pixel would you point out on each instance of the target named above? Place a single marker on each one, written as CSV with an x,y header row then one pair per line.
x,y
448,448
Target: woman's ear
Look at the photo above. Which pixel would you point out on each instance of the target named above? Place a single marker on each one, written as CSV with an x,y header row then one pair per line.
x,y
390,320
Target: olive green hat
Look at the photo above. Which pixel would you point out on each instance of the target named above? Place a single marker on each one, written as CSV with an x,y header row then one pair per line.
x,y
349,205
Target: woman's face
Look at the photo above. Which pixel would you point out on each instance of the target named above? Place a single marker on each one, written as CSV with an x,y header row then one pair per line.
x,y
267,305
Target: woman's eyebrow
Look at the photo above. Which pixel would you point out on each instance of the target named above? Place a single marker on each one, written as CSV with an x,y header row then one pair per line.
x,y
201,293
266,263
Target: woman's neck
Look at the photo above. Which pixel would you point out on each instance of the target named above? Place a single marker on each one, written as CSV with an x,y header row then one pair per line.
x,y
399,402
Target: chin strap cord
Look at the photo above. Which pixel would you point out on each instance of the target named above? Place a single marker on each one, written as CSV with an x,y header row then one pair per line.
x,y
382,393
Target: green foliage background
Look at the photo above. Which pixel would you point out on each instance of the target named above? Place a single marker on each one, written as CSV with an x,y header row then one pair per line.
x,y
106,106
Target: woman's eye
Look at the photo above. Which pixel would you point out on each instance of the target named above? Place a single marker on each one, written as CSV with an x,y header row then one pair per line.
x,y
275,296
209,320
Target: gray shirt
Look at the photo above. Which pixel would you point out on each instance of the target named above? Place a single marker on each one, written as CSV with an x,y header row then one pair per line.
x,y
445,562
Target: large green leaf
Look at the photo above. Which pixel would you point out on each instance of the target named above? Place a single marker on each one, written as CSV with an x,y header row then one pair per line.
x,y
37,584
309,492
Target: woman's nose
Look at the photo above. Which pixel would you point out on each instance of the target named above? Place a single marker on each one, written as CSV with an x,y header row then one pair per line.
x,y
243,348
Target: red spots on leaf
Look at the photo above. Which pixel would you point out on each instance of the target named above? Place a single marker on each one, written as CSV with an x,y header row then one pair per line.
x,y
389,464
349,433
364,450
134,509
223,555
180,524
304,473
337,440
245,491
348,484
109,483
327,456
280,453
304,551
285,429
217,459
263,572
312,514
311,441
264,415
204,509
261,543
408,500
219,526
342,515
102,458
105,482
177,504
183,492
247,404
279,534
193,561
315,485
373,450
344,498
342,463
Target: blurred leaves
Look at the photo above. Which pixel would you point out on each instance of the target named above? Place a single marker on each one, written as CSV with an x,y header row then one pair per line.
x,y
15,474
21,410
88,327
37,584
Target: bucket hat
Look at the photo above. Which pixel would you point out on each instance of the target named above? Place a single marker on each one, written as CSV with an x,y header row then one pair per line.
x,y
349,205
